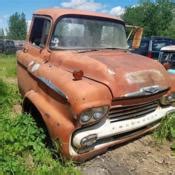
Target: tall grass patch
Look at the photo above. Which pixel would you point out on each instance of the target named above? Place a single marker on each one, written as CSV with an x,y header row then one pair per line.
x,y
22,143
166,130
7,66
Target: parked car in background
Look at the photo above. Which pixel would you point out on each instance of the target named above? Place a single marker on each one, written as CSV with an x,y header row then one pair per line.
x,y
167,58
7,46
19,44
1,46
150,46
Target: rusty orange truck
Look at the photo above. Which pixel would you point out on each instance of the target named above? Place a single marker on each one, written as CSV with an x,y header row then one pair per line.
x,y
78,79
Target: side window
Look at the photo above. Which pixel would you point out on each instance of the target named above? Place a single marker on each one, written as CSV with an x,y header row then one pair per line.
x,y
40,31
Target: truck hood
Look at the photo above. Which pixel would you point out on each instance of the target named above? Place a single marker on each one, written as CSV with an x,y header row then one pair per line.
x,y
124,73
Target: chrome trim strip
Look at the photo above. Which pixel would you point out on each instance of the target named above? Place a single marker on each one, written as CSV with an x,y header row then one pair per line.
x,y
52,86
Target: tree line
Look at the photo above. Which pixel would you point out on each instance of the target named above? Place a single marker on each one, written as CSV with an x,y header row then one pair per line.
x,y
156,17
17,27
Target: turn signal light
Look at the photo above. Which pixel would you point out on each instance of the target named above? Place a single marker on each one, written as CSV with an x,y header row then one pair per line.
x,y
78,74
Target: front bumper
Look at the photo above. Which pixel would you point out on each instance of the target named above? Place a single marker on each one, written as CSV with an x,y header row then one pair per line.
x,y
108,132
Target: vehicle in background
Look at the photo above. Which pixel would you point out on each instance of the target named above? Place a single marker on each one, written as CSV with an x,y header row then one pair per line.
x,y
150,46
80,82
1,46
7,47
167,58
19,44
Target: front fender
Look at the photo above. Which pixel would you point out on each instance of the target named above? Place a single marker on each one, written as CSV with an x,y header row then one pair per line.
x,y
59,126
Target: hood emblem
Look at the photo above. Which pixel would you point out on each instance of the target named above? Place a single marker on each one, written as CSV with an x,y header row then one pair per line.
x,y
150,90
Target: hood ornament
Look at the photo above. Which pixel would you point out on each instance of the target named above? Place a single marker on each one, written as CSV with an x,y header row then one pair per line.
x,y
150,90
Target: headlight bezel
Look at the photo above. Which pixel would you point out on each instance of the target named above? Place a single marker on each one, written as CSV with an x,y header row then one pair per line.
x,y
90,112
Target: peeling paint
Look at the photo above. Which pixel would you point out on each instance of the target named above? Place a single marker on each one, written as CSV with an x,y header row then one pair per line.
x,y
35,67
31,63
111,72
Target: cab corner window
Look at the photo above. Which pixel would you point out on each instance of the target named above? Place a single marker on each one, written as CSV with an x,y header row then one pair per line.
x,y
40,31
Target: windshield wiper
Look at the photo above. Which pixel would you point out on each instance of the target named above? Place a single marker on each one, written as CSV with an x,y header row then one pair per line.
x,y
114,48
88,50
93,50
97,49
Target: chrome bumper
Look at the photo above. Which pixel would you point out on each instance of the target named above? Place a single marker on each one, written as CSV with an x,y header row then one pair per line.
x,y
108,129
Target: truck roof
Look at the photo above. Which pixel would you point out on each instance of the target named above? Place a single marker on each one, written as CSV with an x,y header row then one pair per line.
x,y
55,13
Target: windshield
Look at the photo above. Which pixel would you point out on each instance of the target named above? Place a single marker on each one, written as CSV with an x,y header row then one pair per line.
x,y
80,33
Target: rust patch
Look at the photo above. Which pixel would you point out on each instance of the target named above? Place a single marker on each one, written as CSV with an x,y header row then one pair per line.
x,y
144,76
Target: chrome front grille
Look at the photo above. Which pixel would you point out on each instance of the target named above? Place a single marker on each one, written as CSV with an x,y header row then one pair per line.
x,y
127,112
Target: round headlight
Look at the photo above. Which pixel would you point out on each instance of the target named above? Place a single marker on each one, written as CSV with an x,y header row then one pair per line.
x,y
98,113
85,117
93,115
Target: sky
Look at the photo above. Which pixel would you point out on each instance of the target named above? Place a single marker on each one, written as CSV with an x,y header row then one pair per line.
x,y
8,7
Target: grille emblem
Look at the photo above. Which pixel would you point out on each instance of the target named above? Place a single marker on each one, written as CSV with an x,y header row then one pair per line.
x,y
150,90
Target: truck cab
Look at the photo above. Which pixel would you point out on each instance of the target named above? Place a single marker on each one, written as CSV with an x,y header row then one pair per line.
x,y
79,80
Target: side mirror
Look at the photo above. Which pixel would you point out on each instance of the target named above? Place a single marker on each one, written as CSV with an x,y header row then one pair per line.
x,y
136,34
137,38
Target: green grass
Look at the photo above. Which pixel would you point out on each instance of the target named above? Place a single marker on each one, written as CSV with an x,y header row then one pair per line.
x,y
7,66
22,147
166,130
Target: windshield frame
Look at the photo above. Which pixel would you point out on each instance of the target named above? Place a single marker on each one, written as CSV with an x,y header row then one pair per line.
x,y
117,21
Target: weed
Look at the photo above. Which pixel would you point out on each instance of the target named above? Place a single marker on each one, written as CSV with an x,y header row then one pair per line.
x,y
7,66
166,130
24,151
8,96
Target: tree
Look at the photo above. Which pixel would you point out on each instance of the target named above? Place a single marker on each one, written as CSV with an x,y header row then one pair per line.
x,y
17,26
2,35
155,17
170,31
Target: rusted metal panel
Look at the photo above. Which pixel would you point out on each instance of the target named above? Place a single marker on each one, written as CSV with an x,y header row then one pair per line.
x,y
55,13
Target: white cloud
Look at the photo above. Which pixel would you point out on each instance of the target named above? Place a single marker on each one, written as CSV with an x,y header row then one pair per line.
x,y
84,5
1,18
117,11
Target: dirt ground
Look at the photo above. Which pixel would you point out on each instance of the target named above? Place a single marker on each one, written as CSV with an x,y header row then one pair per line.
x,y
140,157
